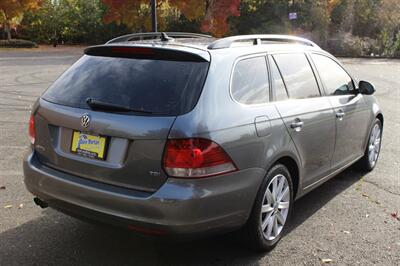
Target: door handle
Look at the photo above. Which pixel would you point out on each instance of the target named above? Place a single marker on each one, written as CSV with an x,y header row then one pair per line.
x,y
297,125
340,114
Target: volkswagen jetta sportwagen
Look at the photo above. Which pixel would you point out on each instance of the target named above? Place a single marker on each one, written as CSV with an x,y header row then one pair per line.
x,y
174,134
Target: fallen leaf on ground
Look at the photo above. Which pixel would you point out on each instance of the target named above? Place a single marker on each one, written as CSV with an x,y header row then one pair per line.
x,y
3,187
7,206
395,215
326,260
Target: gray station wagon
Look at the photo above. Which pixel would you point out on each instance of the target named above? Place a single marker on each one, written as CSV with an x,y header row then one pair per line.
x,y
180,134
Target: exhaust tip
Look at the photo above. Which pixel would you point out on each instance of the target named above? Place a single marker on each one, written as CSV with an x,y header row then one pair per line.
x,y
42,204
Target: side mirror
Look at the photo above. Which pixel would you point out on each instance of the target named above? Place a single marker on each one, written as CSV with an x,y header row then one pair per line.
x,y
366,88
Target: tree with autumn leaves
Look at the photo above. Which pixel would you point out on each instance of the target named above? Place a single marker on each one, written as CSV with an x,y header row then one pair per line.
x,y
12,9
212,14
352,27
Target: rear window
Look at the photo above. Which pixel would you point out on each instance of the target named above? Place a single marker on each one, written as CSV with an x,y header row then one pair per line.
x,y
166,88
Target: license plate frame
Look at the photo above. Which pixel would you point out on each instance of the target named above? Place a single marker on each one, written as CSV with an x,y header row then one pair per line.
x,y
94,146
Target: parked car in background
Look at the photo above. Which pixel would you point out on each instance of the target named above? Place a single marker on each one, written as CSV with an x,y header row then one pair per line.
x,y
180,134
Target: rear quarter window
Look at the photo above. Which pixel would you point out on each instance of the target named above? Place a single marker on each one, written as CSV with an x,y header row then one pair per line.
x,y
298,75
250,81
162,87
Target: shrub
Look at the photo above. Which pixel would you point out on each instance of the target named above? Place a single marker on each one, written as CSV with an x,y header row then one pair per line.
x,y
389,45
17,43
345,44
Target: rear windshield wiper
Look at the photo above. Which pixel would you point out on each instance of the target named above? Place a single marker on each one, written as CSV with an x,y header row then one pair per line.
x,y
99,105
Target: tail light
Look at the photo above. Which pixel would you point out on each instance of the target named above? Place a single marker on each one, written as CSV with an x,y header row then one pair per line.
x,y
32,131
196,158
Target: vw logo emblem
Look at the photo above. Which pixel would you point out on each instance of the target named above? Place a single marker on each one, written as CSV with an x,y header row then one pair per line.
x,y
85,120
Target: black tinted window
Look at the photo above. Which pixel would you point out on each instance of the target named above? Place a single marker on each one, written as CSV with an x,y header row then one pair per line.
x,y
159,86
250,81
298,75
335,79
278,85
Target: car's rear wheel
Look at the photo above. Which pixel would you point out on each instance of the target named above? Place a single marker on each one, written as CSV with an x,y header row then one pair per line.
x,y
271,210
371,155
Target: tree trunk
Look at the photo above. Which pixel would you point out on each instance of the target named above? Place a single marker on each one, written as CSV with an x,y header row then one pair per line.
x,y
209,6
7,29
348,21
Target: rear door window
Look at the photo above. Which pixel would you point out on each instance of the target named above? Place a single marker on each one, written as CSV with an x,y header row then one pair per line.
x,y
335,79
162,87
277,81
250,81
298,75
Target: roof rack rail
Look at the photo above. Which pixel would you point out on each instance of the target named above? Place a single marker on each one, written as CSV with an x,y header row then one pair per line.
x,y
256,39
156,35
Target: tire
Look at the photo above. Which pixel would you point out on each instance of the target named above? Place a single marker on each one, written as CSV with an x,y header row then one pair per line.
x,y
252,233
366,164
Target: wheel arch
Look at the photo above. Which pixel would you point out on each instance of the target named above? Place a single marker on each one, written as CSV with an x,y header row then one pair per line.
x,y
380,117
294,171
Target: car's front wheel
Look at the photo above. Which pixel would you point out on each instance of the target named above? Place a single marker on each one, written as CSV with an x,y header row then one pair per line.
x,y
371,155
271,210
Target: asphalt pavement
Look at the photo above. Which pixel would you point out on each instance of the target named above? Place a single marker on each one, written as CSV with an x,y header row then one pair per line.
x,y
349,220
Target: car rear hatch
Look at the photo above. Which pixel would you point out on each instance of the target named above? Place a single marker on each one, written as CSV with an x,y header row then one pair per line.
x,y
107,118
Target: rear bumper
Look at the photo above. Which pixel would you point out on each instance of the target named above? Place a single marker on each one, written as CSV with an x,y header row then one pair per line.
x,y
180,206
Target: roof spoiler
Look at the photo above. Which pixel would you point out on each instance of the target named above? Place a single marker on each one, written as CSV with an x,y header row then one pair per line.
x,y
148,52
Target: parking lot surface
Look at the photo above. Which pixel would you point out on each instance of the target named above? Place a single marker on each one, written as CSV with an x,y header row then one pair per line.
x,y
352,219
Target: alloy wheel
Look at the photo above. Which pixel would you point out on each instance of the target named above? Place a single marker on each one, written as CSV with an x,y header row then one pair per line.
x,y
275,207
374,144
